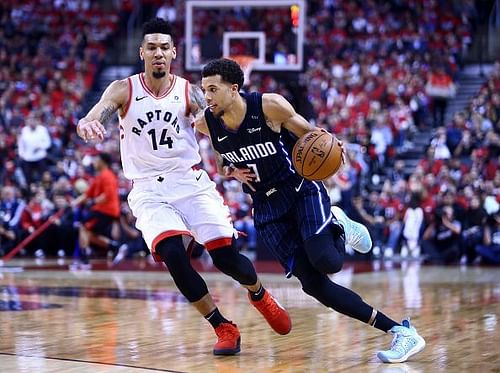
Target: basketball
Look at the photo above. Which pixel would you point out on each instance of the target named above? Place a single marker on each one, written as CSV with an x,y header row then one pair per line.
x,y
317,155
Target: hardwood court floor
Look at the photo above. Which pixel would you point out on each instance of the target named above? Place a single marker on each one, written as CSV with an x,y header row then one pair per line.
x,y
122,321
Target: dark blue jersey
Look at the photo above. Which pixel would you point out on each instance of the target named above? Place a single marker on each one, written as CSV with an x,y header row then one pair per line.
x,y
255,146
279,188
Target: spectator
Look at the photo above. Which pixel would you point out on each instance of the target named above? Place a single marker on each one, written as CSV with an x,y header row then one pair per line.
x,y
413,220
33,144
34,215
100,223
393,208
372,215
473,232
130,237
490,249
11,209
441,239
167,11
63,233
440,88
381,137
397,173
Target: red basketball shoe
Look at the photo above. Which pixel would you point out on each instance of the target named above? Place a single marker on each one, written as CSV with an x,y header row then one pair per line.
x,y
276,316
228,342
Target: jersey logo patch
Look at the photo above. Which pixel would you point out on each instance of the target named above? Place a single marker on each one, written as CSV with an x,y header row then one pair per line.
x,y
137,98
271,191
221,138
252,130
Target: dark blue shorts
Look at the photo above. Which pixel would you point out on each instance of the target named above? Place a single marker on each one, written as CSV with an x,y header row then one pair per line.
x,y
289,217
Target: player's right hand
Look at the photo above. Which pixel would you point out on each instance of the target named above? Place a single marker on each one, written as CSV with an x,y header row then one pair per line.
x,y
90,130
243,175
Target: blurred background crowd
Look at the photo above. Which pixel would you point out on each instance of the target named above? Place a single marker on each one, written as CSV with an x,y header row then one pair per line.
x,y
425,179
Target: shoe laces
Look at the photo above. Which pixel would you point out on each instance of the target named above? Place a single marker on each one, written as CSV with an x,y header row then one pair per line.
x,y
401,340
353,239
226,331
352,235
271,304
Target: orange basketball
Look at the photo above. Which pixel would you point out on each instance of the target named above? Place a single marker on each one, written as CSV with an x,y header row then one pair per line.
x,y
317,155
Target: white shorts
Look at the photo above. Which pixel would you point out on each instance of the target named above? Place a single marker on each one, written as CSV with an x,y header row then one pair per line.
x,y
181,204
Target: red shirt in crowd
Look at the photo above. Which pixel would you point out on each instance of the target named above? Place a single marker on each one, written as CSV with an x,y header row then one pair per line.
x,y
105,183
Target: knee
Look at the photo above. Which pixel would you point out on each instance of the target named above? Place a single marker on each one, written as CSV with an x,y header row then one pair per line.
x,y
312,283
232,263
307,286
326,263
171,250
221,257
324,254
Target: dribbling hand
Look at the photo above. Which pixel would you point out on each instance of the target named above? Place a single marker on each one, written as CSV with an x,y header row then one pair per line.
x,y
341,144
244,175
92,130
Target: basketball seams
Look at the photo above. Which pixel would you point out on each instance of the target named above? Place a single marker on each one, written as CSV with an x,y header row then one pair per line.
x,y
306,151
340,162
332,142
331,156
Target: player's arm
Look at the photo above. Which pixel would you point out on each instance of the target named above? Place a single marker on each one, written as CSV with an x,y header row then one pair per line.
x,y
201,124
115,97
221,169
197,105
281,113
244,175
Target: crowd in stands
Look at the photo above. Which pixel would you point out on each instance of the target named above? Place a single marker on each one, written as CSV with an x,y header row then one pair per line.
x,y
389,72
448,206
50,53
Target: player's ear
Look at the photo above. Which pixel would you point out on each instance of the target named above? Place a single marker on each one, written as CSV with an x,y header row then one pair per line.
x,y
174,53
141,53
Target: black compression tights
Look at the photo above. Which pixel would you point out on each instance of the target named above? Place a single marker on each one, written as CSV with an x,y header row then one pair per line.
x,y
229,261
188,281
339,298
325,252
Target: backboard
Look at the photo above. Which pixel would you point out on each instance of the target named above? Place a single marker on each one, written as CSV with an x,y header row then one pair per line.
x,y
271,31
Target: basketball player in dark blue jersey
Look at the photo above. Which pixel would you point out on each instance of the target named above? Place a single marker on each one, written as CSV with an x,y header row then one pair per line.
x,y
253,135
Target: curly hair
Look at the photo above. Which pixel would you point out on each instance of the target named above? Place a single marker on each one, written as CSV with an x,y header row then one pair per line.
x,y
229,71
157,26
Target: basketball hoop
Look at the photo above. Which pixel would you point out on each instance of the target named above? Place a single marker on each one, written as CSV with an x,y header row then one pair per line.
x,y
246,62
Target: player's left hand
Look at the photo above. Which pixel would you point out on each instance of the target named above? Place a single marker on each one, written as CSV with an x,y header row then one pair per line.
x,y
344,152
341,144
244,175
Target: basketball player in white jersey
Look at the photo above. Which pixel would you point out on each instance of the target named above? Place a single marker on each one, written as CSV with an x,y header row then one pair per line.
x,y
174,203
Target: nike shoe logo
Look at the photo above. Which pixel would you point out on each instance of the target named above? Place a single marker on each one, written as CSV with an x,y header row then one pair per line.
x,y
137,98
199,177
300,185
221,138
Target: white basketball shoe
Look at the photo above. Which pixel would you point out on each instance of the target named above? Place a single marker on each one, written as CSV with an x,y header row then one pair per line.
x,y
356,234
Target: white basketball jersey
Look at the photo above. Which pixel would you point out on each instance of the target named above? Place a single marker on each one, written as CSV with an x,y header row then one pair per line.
x,y
156,136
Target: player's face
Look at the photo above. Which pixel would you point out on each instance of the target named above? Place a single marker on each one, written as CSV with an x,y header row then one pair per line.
x,y
218,94
157,51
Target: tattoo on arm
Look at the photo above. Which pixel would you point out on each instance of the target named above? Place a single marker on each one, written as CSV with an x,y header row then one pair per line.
x,y
197,97
106,114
